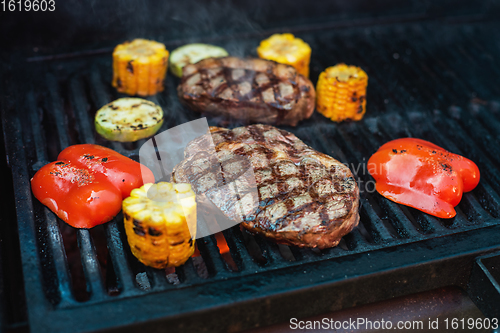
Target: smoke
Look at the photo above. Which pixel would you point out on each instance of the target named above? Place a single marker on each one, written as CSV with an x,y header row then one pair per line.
x,y
172,20
84,25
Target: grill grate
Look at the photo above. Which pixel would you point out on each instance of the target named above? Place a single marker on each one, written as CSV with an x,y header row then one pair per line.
x,y
440,89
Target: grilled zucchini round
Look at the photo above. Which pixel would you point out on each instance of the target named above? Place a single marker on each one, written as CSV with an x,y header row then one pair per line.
x,y
191,54
128,119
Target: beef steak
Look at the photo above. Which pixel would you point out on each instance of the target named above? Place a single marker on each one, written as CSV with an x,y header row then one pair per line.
x,y
305,198
249,90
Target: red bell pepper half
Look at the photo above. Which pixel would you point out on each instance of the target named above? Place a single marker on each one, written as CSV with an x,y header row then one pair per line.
x,y
86,185
120,170
419,174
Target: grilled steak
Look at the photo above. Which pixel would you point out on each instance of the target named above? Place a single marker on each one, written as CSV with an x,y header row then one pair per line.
x,y
249,90
305,198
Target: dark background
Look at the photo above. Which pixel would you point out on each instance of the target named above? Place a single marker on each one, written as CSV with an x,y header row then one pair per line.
x,y
77,25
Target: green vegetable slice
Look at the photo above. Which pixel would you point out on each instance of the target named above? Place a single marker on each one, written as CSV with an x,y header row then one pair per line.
x,y
128,119
191,54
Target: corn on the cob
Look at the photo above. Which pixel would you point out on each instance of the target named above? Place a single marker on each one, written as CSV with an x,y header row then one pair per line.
x,y
160,222
139,67
287,49
341,93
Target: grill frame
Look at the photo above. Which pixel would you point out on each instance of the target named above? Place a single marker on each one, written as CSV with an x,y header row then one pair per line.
x,y
236,301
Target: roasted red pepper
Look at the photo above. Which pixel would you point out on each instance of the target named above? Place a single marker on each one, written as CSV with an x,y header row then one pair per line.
x,y
78,196
86,185
120,170
421,175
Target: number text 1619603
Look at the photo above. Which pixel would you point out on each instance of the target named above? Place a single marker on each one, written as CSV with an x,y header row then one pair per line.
x,y
28,5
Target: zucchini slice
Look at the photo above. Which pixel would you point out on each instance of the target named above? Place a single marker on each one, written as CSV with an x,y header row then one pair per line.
x,y
191,54
128,119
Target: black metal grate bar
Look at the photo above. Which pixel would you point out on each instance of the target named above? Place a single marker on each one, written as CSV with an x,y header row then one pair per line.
x,y
211,251
378,230
481,51
376,225
90,265
78,102
120,263
62,128
247,260
355,241
60,263
189,273
403,224
100,99
41,153
158,279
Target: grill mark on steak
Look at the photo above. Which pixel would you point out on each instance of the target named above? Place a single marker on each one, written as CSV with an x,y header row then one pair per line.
x,y
305,198
220,169
228,79
252,90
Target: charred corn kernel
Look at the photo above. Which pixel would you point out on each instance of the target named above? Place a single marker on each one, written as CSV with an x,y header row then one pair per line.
x,y
341,93
139,67
286,49
160,223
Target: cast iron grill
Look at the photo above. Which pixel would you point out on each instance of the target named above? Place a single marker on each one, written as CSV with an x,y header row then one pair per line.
x,y
444,90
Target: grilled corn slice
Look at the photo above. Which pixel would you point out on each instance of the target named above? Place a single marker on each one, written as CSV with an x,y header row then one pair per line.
x,y
341,93
286,49
160,222
139,67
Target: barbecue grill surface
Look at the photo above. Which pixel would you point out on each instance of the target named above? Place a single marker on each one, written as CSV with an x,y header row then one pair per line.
x,y
432,79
